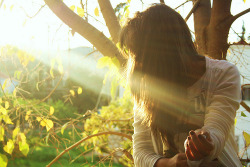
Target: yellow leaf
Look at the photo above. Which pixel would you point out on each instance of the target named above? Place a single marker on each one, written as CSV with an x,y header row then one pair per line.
x,y
7,105
96,11
3,160
51,73
80,11
15,132
43,122
9,146
1,100
11,7
244,1
38,119
235,121
95,132
4,84
72,92
26,117
79,90
1,133
63,128
51,110
48,123
7,119
60,68
3,111
72,7
247,138
22,137
128,1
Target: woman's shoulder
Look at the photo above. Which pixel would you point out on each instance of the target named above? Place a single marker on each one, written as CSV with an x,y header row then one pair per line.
x,y
220,66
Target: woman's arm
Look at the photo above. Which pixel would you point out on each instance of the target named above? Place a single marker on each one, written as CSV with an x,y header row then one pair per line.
x,y
221,112
143,150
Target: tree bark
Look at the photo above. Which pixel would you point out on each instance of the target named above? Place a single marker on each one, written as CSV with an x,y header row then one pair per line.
x,y
86,30
218,36
201,21
110,19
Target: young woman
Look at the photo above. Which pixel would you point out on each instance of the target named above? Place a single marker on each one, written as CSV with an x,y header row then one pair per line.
x,y
178,95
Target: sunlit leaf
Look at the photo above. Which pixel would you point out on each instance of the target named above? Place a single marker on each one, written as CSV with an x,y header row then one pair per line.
x,y
60,68
14,92
96,11
80,11
63,128
72,7
235,121
244,1
79,90
24,148
51,73
243,114
4,84
22,137
128,1
37,86
72,92
7,105
15,132
48,123
104,61
51,110
1,133
95,132
38,119
9,146
11,7
3,111
116,62
7,119
3,160
247,138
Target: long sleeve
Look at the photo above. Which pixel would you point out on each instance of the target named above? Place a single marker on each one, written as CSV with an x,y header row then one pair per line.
x,y
143,149
221,111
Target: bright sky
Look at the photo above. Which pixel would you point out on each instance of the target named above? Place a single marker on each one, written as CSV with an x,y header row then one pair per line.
x,y
46,32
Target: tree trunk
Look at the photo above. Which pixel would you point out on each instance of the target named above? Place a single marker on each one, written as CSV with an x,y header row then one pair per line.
x,y
211,38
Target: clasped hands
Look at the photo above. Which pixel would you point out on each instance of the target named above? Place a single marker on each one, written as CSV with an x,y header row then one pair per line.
x,y
198,146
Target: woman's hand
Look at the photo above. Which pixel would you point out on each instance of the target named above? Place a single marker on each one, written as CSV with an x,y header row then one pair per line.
x,y
179,160
198,145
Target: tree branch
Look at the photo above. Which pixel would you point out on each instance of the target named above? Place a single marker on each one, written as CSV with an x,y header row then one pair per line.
x,y
240,14
193,9
86,30
86,138
110,19
243,104
182,4
162,1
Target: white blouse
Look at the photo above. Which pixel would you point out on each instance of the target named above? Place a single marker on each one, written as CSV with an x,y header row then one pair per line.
x,y
216,97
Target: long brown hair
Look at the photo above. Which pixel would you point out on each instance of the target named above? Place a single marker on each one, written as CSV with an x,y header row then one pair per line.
x,y
160,50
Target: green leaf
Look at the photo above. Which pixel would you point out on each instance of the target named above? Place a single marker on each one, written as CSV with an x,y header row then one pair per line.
x,y
3,160
24,148
80,11
1,133
247,138
9,146
243,114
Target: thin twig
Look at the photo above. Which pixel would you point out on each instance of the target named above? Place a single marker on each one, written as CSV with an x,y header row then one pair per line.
x,y
35,13
192,10
182,4
86,138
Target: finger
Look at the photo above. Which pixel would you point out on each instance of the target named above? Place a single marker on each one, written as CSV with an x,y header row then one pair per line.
x,y
197,155
208,137
208,146
200,147
189,154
